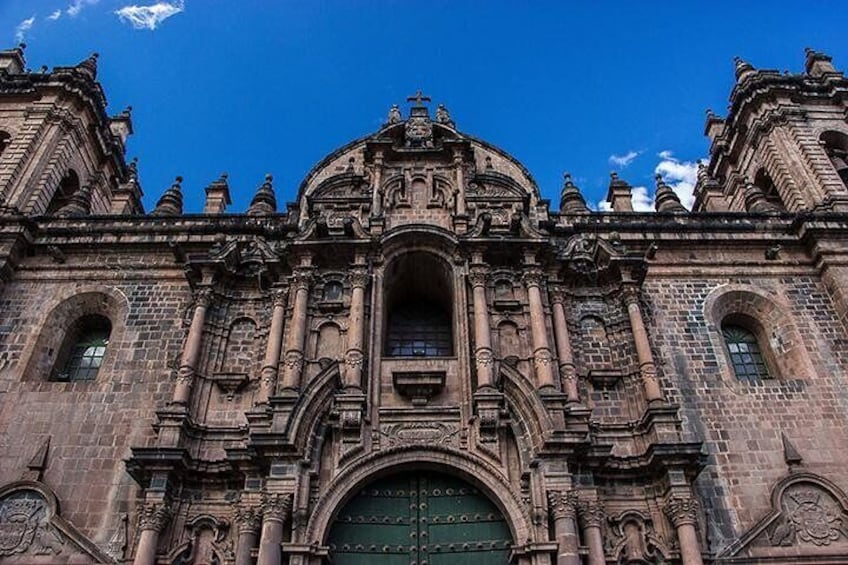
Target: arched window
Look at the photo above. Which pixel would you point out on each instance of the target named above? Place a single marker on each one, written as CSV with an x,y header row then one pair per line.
x,y
763,181
835,144
746,357
69,185
83,350
419,321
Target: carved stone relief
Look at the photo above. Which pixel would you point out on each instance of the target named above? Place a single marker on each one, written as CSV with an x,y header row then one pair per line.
x,y
25,526
809,515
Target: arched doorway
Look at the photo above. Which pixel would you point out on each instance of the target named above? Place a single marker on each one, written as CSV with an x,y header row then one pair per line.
x,y
419,518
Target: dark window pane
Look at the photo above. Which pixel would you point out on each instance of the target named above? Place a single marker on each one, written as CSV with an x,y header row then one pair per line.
x,y
745,355
419,330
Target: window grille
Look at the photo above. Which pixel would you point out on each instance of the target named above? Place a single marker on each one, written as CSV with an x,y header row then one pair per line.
x,y
745,355
87,351
419,330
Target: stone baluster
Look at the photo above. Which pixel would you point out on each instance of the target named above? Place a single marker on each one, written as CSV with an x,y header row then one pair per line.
x,y
152,520
460,182
647,367
683,514
542,358
191,349
562,507
354,357
270,366
297,329
567,370
482,329
275,509
591,514
248,520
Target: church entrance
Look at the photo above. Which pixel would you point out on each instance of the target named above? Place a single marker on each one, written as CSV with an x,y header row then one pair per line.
x,y
419,518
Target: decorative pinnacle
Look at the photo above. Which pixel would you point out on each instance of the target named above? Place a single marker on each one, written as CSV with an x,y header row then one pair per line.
x,y
743,68
264,201
171,202
570,199
89,66
666,200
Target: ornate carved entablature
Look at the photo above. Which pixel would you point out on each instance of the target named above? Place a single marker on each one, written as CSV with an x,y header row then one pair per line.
x,y
591,257
254,258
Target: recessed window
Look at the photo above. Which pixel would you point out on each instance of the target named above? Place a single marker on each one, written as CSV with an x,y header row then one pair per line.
x,y
333,291
84,349
419,330
69,185
746,357
5,139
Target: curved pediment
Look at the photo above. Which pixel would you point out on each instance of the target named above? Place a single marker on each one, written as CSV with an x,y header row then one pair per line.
x,y
419,170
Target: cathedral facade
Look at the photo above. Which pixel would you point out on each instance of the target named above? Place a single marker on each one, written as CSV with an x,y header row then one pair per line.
x,y
421,360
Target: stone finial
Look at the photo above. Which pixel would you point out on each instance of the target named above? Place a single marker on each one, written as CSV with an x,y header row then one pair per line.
x,y
264,201
743,68
171,202
756,201
217,196
443,116
665,199
394,115
791,456
619,194
817,64
132,170
89,66
38,464
79,204
571,201
12,60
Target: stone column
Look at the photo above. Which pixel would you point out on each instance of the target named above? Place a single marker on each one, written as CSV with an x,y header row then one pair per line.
x,y
591,515
275,509
647,367
191,349
483,358
683,513
562,507
152,520
376,189
542,357
248,520
297,329
567,370
460,182
273,348
355,357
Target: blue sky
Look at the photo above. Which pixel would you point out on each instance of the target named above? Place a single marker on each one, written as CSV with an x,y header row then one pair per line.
x,y
257,86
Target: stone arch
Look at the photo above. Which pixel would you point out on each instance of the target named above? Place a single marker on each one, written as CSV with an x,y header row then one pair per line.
x,y
835,145
329,342
240,349
69,185
533,420
768,318
763,181
5,141
67,308
443,459
312,406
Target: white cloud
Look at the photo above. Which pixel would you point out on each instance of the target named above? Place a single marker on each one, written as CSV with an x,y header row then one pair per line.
x,y
77,6
23,27
149,17
642,201
55,15
622,161
681,176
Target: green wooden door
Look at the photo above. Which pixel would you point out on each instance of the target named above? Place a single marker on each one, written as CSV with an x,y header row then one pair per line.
x,y
419,519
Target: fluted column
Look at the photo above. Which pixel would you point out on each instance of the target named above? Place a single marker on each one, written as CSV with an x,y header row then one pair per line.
x,y
191,349
647,367
542,357
483,358
297,329
152,520
270,366
683,513
275,509
460,183
591,515
248,520
567,370
562,506
354,357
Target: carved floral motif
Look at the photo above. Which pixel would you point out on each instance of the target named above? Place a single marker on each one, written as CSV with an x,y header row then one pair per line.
x,y
682,511
562,504
154,516
25,527
275,506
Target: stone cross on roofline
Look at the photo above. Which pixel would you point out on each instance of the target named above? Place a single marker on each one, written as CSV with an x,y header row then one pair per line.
x,y
419,98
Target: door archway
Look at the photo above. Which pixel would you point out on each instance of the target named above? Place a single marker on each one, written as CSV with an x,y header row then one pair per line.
x,y
419,518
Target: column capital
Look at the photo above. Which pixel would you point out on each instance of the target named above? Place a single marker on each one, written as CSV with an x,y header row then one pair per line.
x,y
203,296
478,275
591,513
533,276
154,516
248,518
302,278
630,294
682,511
558,294
275,506
279,295
562,504
358,277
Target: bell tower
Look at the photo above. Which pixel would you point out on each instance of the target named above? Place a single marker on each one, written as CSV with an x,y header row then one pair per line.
x,y
59,149
783,146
